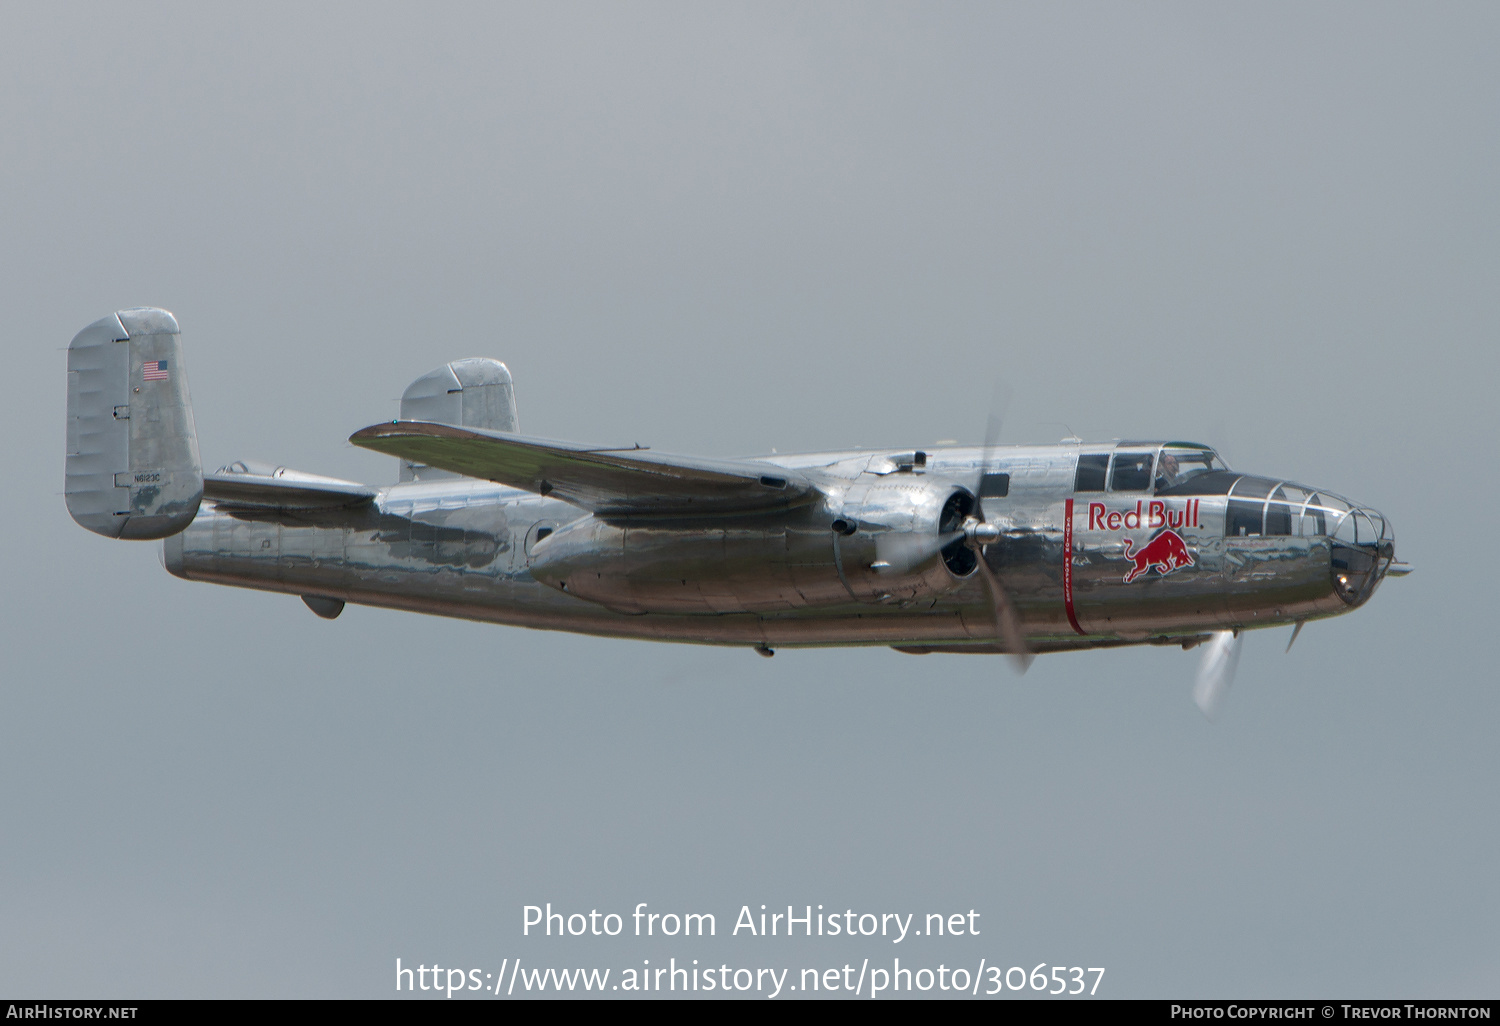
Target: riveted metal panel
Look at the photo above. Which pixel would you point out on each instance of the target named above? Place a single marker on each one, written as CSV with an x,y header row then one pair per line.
x,y
132,462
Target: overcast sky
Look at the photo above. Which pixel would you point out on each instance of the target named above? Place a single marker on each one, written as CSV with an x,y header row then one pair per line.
x,y
721,229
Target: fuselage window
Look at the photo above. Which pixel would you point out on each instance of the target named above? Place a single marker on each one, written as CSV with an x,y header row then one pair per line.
x,y
994,486
1313,521
1090,476
1132,472
1243,519
1247,507
1279,513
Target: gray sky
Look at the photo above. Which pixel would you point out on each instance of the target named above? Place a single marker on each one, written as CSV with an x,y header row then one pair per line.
x,y
722,229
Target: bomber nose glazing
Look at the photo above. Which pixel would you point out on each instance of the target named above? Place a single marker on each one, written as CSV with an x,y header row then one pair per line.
x,y
1362,542
1364,548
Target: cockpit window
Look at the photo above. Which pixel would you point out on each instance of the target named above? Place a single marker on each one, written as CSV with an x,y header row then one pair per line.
x,y
1091,471
1132,472
1177,466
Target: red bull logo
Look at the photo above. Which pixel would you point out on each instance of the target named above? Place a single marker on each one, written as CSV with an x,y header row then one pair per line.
x,y
1167,552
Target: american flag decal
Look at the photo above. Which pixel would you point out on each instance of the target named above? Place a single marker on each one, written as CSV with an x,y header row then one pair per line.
x,y
154,370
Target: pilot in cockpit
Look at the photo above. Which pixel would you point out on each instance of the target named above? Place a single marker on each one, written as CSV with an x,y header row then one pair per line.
x,y
1166,471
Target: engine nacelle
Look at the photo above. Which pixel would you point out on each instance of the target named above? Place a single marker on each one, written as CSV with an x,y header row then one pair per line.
x,y
879,544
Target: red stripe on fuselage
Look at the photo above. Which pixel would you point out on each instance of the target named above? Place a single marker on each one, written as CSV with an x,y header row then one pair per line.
x,y
1068,566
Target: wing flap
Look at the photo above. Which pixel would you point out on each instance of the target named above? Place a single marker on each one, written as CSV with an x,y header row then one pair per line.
x,y
610,482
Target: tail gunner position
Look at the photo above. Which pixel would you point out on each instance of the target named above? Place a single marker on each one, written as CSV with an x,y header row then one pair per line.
x,y
1015,549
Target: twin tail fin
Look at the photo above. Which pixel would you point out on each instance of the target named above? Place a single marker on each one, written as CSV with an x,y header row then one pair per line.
x,y
133,469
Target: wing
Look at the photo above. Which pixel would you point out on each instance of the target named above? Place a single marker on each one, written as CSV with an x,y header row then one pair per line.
x,y
611,482
282,489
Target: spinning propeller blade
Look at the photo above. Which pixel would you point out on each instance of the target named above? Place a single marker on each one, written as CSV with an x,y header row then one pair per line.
x,y
980,532
1216,672
1007,623
896,552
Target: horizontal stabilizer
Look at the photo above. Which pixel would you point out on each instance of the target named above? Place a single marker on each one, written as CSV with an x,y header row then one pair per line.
x,y
611,482
247,486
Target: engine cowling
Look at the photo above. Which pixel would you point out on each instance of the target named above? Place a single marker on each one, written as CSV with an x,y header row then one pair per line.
x,y
913,527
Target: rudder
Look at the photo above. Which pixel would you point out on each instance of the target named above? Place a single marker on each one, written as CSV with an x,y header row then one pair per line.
x,y
133,469
473,393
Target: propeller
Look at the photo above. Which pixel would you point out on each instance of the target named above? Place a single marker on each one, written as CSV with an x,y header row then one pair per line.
x,y
1216,672
979,532
896,552
1007,623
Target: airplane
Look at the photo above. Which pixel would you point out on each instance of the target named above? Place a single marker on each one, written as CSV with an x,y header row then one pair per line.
x,y
1014,550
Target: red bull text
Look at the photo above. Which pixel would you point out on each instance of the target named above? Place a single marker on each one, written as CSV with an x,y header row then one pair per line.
x,y
1155,515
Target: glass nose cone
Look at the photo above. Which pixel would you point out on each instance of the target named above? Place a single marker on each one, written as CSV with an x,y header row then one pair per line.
x,y
1364,546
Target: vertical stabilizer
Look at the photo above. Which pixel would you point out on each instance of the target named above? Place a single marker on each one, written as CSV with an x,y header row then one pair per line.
x,y
473,393
132,466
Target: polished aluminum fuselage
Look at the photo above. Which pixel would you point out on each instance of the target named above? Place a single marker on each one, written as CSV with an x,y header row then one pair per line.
x,y
468,548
